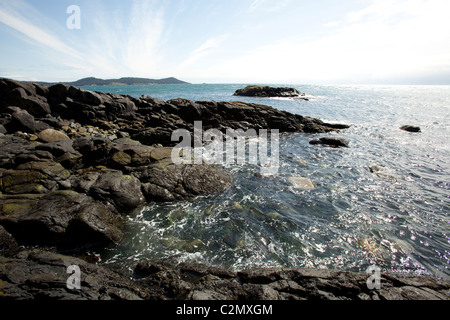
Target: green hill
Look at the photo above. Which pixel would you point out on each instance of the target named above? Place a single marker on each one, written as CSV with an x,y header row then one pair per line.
x,y
122,81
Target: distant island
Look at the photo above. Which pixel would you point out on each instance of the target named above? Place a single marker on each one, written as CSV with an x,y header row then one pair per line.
x,y
117,82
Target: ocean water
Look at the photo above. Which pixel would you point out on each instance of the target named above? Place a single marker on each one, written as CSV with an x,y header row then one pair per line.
x,y
396,218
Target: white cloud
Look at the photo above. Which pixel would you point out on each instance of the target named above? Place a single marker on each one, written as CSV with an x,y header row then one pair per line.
x,y
120,44
203,50
144,36
331,24
386,40
12,19
255,4
270,5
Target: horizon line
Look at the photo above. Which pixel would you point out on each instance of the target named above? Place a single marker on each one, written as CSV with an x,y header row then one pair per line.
x,y
238,82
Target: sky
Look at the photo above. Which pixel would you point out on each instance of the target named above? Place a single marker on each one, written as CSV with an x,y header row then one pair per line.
x,y
228,41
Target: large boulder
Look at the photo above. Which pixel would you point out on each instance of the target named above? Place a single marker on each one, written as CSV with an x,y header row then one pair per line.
x,y
64,218
52,135
21,120
121,191
129,153
166,181
28,96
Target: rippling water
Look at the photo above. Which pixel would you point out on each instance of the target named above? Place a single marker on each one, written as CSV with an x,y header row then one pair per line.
x,y
396,217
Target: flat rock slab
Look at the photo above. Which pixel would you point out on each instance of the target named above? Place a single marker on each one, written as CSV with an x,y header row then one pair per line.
x,y
33,274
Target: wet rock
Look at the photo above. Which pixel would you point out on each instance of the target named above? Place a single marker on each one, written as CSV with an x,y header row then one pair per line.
x,y
165,180
382,172
266,92
331,142
35,177
126,152
33,275
409,128
63,219
188,281
122,191
41,274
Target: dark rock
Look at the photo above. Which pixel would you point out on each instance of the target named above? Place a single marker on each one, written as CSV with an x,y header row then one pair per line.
x,y
95,150
268,92
62,151
409,128
63,219
3,129
27,96
11,148
205,179
84,96
8,245
126,152
38,275
188,281
121,191
331,142
152,136
21,120
166,181
34,178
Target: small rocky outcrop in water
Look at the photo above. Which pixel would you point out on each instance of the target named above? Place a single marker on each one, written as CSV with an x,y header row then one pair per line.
x,y
331,142
409,128
269,92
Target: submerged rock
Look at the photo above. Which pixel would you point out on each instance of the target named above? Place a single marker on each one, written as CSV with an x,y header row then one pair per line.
x,y
301,183
331,142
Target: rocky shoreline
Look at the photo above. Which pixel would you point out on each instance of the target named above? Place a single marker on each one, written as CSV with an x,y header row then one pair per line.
x,y
74,163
